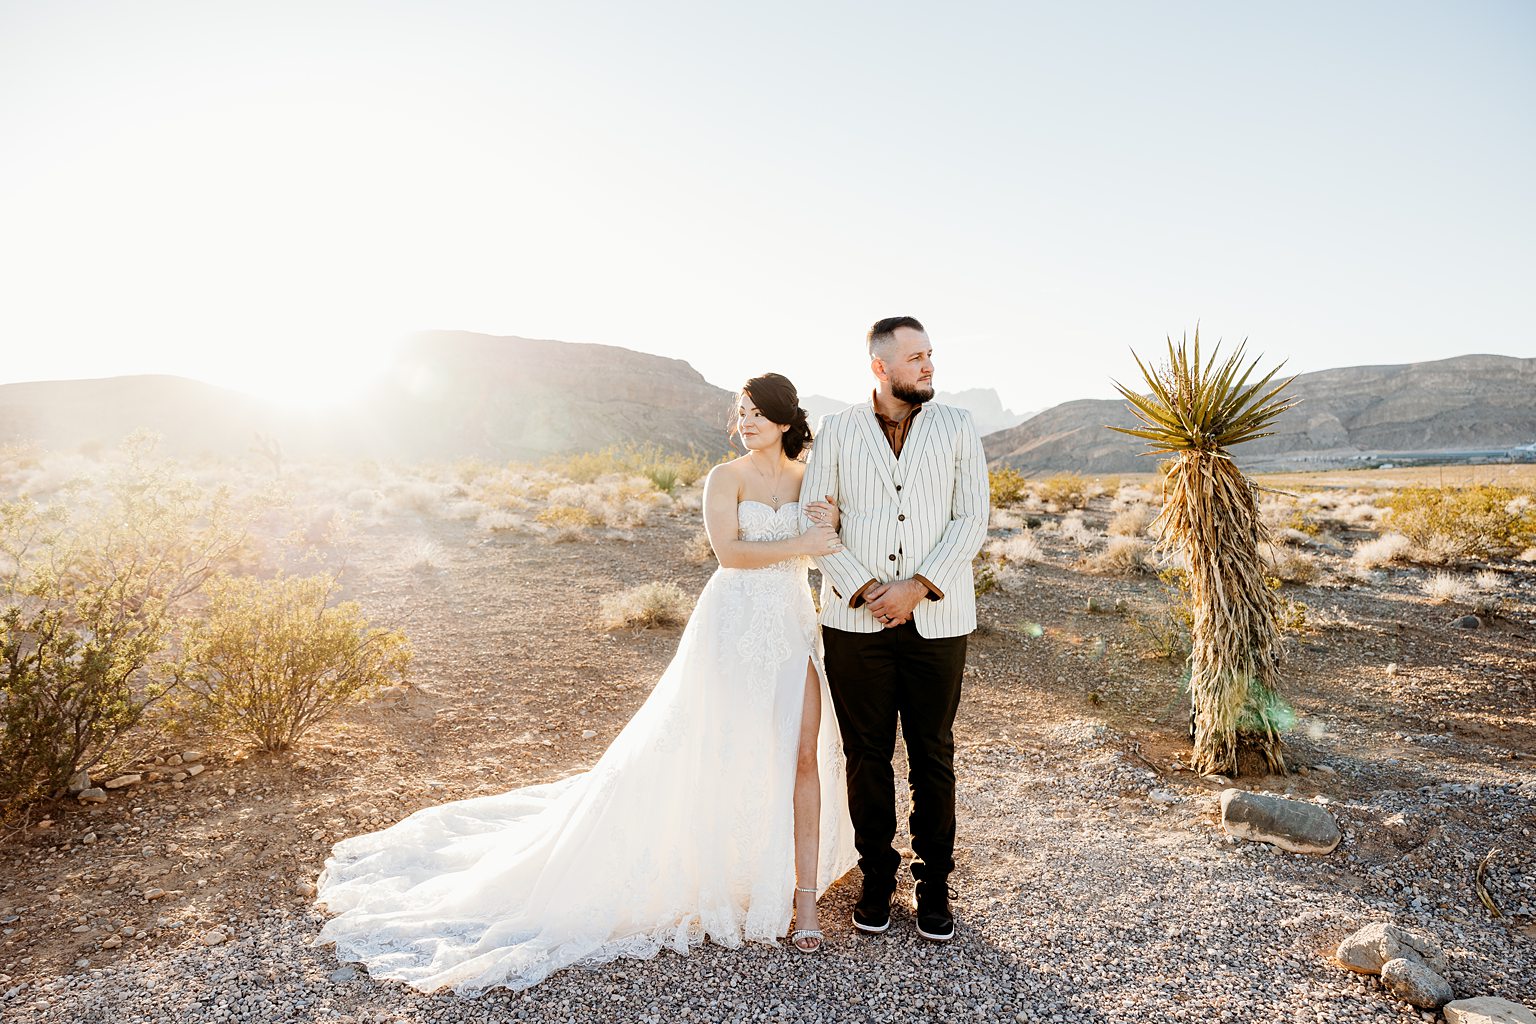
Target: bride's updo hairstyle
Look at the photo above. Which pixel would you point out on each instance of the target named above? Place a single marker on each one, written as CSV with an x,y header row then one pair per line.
x,y
777,399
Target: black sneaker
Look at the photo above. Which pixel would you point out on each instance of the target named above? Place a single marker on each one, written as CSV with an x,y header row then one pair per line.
x,y
873,911
935,922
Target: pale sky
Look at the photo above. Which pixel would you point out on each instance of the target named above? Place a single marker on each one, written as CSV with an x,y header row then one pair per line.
x,y
263,195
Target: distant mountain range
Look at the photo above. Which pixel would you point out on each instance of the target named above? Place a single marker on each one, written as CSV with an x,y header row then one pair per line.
x,y
449,394
1465,405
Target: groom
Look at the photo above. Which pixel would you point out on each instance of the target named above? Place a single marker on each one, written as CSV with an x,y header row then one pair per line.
x,y
898,603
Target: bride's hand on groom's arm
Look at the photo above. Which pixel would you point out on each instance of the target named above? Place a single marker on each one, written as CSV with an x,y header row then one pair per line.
x,y
821,539
824,511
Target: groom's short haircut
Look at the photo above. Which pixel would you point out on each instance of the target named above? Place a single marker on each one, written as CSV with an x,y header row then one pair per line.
x,y
885,330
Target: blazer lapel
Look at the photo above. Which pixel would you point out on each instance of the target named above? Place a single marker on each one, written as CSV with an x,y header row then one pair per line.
x,y
879,447
921,434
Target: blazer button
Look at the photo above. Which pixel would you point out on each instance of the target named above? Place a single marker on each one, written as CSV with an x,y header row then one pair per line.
x,y
901,518
893,558
898,487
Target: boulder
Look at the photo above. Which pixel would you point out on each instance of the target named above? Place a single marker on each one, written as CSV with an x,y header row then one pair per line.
x,y
1370,948
131,779
1488,1010
79,783
1416,984
1289,824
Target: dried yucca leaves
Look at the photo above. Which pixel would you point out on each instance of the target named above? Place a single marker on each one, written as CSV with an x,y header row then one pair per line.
x,y
1193,413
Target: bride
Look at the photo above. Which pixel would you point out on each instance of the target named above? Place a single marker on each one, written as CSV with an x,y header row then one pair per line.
x,y
723,796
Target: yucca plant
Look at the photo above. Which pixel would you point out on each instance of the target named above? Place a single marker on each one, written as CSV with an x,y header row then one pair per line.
x,y
1195,413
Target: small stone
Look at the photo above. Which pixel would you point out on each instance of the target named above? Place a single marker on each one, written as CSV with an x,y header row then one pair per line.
x,y
1467,622
112,942
1372,946
1416,984
590,734
194,769
1488,1010
153,894
94,795
305,889
191,756
79,783
131,779
173,760
88,839
1326,769
345,974
1289,824
178,778
213,938
1164,796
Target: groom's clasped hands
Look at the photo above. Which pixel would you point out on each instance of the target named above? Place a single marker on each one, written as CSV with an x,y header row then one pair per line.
x,y
892,602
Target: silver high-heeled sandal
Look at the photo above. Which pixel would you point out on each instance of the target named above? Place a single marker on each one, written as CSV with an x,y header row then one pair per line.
x,y
806,933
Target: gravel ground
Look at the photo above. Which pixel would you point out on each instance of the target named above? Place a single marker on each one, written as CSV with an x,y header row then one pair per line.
x,y
1092,888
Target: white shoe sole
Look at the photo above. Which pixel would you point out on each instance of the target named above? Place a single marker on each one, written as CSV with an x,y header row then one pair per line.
x,y
931,937
870,929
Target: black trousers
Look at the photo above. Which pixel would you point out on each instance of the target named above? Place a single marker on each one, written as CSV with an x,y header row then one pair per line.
x,y
876,679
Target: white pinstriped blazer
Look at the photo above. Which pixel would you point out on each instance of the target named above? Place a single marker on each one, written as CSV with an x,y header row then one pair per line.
x,y
922,514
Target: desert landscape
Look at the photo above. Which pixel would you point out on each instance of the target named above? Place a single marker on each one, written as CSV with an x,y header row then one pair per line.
x,y
541,599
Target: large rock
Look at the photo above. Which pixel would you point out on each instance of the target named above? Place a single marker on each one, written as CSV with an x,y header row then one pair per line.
x,y
1369,949
1488,1010
1288,824
1416,984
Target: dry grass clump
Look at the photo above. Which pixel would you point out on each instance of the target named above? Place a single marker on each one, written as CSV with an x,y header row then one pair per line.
x,y
423,497
1288,564
699,549
650,604
1005,519
1133,494
1384,550
1132,521
1125,556
1063,490
1445,587
423,555
500,521
1074,530
1488,580
1021,548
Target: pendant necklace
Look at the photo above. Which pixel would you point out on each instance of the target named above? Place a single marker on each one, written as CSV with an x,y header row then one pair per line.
x,y
773,487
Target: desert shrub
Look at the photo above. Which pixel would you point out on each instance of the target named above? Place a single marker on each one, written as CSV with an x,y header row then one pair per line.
x,y
650,604
568,515
1019,549
612,501
1384,550
984,577
423,497
1064,490
1446,523
1488,580
1164,632
1444,587
1132,521
93,596
275,657
665,469
1123,557
1008,486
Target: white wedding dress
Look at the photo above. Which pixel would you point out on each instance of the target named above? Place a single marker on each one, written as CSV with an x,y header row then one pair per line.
x,y
682,831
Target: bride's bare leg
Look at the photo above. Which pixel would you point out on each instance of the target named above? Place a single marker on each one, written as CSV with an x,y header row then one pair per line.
x,y
808,808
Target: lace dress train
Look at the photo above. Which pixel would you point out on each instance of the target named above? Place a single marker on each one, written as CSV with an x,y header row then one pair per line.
x,y
683,830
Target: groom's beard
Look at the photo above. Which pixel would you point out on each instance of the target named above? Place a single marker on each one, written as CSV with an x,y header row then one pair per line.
x,y
911,395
